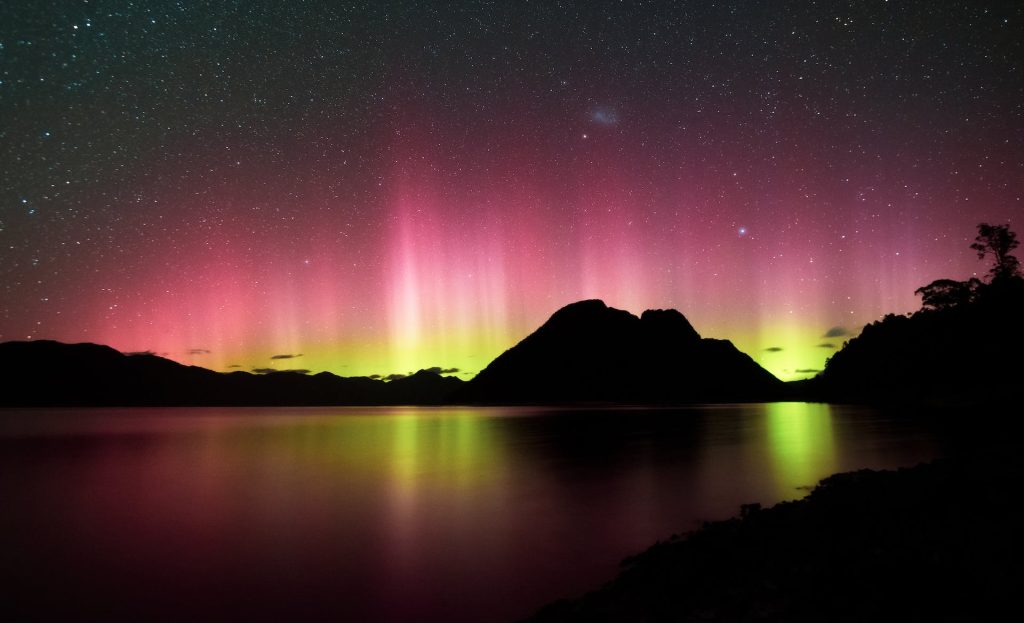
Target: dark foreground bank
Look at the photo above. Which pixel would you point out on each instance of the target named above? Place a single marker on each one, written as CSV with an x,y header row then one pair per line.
x,y
940,541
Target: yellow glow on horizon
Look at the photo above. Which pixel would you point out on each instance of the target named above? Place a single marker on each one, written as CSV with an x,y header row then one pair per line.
x,y
470,350
790,352
415,340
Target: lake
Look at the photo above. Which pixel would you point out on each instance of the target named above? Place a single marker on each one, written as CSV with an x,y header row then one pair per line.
x,y
386,514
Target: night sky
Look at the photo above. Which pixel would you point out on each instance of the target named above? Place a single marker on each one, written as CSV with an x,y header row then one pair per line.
x,y
387,186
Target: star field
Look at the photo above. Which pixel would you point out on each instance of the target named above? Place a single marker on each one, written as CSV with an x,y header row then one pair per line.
x,y
387,186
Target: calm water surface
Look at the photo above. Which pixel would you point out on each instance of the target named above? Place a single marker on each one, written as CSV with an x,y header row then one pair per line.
x,y
385,514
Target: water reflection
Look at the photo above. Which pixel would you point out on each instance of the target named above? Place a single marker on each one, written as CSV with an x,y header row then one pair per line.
x,y
385,514
440,460
800,443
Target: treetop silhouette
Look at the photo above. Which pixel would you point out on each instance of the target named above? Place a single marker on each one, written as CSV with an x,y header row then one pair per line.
x,y
997,241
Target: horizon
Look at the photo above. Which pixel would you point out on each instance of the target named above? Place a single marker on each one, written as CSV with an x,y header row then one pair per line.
x,y
296,362
787,364
293,362
394,187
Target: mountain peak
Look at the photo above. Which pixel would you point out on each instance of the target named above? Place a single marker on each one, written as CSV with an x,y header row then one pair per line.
x,y
670,324
583,318
588,306
588,351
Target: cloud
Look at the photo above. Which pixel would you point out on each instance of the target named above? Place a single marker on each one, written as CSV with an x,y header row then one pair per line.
x,y
274,370
235,365
826,345
198,351
604,116
806,371
836,332
285,356
440,370
395,377
141,352
773,349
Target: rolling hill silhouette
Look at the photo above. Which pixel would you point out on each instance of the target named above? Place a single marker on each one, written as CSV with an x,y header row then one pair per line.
x,y
51,373
588,352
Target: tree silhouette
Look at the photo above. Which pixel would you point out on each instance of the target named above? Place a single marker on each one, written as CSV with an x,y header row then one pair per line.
x,y
1004,279
947,293
998,241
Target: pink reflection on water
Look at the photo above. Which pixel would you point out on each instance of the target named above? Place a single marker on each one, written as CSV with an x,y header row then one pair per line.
x,y
384,514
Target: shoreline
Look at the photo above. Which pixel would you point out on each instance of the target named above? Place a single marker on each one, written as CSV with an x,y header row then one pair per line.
x,y
938,541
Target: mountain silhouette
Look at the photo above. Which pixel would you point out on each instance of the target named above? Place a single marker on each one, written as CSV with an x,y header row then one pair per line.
x,y
589,352
48,373
586,352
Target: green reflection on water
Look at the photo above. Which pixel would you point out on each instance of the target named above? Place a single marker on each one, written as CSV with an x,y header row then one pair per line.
x,y
437,462
801,444
449,447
